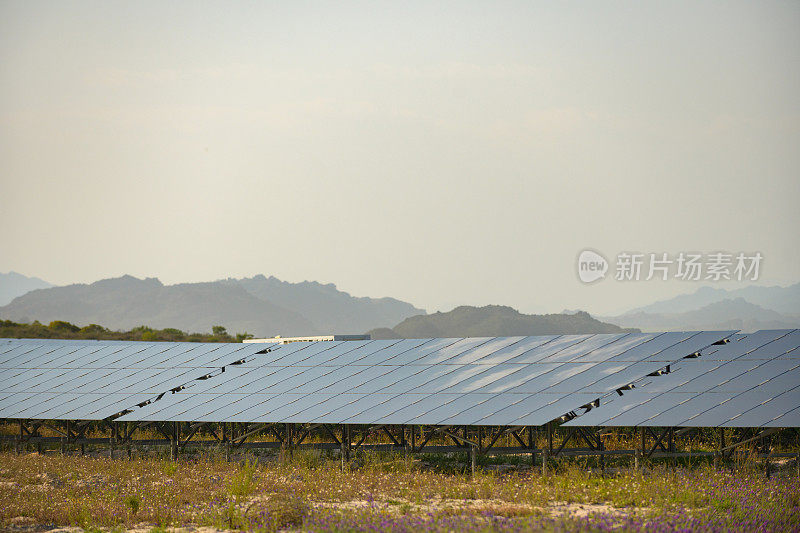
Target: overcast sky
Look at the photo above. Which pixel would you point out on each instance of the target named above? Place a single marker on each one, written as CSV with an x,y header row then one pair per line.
x,y
441,153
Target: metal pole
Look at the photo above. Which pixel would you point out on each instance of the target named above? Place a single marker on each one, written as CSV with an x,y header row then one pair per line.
x,y
473,452
644,442
128,434
345,445
545,458
227,439
532,446
602,455
290,440
111,440
671,446
174,444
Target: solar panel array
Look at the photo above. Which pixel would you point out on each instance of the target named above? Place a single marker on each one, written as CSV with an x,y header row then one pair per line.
x,y
93,380
754,381
473,381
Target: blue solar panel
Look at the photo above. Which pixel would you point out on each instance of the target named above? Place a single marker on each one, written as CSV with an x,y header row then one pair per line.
x,y
76,379
486,381
749,382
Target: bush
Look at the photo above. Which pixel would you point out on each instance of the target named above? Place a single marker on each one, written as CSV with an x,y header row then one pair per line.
x,y
277,512
60,325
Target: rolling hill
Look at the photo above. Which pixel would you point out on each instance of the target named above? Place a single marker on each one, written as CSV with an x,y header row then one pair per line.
x,y
736,313
784,300
493,321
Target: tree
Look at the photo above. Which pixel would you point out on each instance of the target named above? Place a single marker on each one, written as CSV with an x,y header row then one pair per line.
x,y
60,325
219,331
149,336
93,330
242,336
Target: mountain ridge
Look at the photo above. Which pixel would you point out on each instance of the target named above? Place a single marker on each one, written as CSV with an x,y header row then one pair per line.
x,y
733,313
785,300
239,305
127,302
13,284
494,321
329,308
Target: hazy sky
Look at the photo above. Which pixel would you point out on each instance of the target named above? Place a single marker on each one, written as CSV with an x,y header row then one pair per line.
x,y
442,153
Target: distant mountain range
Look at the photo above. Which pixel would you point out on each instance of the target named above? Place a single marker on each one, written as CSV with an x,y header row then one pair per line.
x,y
784,300
259,305
266,306
747,309
492,321
329,309
14,284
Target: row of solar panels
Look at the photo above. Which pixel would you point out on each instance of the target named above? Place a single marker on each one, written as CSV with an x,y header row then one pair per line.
x,y
754,381
475,381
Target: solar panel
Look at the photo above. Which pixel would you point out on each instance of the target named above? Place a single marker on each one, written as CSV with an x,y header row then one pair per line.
x,y
487,406
76,379
752,381
788,419
410,381
485,381
524,407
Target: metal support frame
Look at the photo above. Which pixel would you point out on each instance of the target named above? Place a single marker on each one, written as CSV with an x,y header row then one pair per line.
x,y
662,443
658,441
764,433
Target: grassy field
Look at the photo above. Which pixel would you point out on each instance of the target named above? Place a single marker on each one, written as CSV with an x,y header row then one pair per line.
x,y
382,492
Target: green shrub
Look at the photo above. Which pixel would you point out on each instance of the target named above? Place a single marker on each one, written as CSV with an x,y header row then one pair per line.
x,y
242,483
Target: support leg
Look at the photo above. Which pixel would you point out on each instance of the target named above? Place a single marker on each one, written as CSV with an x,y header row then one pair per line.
x,y
112,440
345,446
532,446
602,455
473,458
128,434
545,459
671,446
227,435
173,453
290,440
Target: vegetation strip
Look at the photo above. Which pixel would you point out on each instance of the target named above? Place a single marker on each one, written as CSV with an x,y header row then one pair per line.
x,y
384,492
